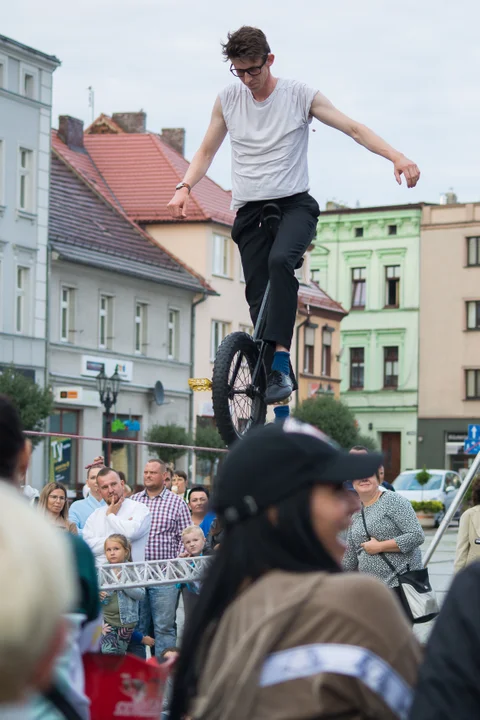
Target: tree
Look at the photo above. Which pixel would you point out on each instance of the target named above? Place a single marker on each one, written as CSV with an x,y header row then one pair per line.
x,y
174,434
367,442
422,477
332,417
33,403
208,436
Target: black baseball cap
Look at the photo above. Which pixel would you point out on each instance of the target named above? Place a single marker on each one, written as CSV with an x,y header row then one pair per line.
x,y
274,461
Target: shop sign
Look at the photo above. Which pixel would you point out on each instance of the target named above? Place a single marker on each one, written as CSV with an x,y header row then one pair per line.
x,y
92,365
60,460
456,437
75,395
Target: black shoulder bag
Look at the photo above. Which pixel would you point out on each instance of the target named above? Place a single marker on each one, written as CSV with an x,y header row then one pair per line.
x,y
417,595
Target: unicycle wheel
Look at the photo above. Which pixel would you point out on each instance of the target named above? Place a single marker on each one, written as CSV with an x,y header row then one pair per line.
x,y
237,404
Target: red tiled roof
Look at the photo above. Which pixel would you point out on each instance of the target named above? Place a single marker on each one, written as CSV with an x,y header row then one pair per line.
x,y
314,296
142,170
82,164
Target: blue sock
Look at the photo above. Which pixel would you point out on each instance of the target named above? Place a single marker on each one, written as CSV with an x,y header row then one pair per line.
x,y
282,412
281,362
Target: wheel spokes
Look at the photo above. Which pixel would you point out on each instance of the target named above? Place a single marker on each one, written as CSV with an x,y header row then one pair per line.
x,y
240,403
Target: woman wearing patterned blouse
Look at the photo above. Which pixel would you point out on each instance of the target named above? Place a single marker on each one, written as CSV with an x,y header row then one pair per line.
x,y
393,528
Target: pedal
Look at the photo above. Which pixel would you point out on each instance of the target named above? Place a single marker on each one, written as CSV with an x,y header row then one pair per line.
x,y
200,384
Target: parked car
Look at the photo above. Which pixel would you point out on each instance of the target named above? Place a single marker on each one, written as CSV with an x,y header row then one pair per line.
x,y
442,486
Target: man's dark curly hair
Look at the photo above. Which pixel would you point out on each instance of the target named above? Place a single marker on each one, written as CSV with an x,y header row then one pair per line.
x,y
246,43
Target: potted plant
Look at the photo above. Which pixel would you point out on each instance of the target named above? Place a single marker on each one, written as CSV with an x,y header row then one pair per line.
x,y
426,511
422,477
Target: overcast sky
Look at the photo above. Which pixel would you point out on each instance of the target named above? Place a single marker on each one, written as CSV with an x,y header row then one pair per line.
x,y
409,70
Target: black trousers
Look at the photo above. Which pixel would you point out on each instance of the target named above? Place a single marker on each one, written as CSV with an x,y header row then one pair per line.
x,y
263,260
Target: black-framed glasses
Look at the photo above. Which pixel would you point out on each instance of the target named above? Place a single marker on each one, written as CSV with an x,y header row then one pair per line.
x,y
252,71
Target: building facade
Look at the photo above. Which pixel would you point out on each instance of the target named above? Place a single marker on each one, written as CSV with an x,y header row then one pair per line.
x,y
117,303
449,397
368,260
25,119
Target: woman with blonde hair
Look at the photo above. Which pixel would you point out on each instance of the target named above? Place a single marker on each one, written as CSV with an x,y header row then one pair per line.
x,y
53,500
468,539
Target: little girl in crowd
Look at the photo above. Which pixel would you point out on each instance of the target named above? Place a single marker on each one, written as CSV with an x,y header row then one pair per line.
x,y
120,607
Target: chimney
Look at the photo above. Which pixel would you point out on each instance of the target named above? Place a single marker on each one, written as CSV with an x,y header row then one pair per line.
x,y
449,198
70,131
334,205
175,137
131,122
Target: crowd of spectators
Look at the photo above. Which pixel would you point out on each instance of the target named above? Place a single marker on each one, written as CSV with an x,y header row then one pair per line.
x,y
275,586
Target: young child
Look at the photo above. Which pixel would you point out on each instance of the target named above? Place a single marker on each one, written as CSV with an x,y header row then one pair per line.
x,y
120,607
194,542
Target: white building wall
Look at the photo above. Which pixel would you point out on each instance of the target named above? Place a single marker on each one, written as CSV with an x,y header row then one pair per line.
x,y
25,123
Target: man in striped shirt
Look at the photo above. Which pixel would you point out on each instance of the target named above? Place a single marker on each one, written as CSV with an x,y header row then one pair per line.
x,y
170,517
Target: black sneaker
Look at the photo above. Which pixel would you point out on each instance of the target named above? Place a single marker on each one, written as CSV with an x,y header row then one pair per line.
x,y
279,387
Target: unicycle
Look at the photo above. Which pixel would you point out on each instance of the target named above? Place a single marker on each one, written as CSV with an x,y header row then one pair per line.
x,y
241,364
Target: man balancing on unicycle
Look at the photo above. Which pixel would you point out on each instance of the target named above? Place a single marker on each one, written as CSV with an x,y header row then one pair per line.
x,y
268,119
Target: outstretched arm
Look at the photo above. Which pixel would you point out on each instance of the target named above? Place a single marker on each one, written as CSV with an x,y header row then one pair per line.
x,y
202,160
327,113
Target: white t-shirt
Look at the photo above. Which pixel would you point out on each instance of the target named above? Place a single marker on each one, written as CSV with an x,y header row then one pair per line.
x,y
132,520
269,140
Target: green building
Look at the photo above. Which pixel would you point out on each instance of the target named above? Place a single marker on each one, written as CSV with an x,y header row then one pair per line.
x,y
368,260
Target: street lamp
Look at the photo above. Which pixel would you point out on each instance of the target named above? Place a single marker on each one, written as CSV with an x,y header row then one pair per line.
x,y
108,388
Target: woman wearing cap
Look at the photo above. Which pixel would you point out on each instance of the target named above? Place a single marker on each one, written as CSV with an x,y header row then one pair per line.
x,y
386,527
279,631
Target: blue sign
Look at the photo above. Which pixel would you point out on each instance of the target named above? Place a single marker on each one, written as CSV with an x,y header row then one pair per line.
x,y
472,443
474,433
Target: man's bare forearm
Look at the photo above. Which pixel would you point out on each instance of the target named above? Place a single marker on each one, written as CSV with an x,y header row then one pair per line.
x,y
198,168
373,142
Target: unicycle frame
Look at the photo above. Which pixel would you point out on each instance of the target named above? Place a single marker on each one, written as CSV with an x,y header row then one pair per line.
x,y
259,341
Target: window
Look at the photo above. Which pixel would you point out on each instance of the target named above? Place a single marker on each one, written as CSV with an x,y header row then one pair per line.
x,y
392,286
67,309
472,383
357,368
29,86
105,322
25,200
390,367
141,328
315,276
21,305
358,232
173,334
220,331
392,229
247,329
327,352
221,260
28,82
359,287
308,350
473,315
473,251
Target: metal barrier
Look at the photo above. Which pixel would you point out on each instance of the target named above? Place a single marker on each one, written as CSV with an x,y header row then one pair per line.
x,y
152,574
472,471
